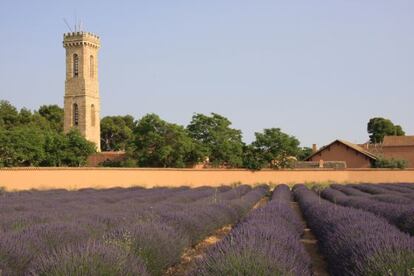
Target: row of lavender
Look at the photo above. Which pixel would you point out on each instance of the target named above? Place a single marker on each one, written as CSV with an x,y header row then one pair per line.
x,y
267,242
394,202
112,232
356,242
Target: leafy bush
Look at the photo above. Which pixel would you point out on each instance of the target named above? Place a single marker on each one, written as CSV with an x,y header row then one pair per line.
x,y
390,163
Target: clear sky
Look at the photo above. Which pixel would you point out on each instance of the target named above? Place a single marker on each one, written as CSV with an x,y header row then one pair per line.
x,y
317,69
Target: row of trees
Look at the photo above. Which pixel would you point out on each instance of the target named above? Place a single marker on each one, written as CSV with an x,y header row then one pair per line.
x,y
37,139
153,142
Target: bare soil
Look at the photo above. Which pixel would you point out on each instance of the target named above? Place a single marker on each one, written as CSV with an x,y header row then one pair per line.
x,y
197,252
319,266
194,253
261,203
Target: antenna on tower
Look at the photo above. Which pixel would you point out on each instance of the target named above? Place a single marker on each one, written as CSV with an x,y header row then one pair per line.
x,y
76,21
67,24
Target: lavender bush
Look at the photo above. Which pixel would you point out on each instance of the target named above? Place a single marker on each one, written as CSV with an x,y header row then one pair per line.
x,y
267,242
356,242
92,258
115,231
396,210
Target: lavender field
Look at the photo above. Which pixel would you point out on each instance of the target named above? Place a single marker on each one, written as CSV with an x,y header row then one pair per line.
x,y
356,230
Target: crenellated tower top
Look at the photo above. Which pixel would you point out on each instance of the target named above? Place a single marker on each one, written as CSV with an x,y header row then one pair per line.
x,y
81,39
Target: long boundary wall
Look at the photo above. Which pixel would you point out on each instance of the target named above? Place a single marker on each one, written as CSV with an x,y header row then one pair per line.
x,y
77,178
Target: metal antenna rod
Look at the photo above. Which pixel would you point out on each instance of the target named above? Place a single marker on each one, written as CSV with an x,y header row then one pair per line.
x,y
67,24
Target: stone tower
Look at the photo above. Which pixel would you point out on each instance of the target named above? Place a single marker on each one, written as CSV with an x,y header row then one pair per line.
x,y
81,103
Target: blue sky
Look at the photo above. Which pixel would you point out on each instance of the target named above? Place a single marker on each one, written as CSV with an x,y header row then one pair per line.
x,y
317,69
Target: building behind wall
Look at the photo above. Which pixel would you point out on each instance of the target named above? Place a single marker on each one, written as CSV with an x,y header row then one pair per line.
x,y
363,155
396,147
339,150
81,101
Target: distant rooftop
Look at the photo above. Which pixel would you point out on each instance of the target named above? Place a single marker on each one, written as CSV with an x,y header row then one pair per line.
x,y
398,141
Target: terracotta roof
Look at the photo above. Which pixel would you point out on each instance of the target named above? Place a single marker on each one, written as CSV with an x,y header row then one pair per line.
x,y
398,141
349,145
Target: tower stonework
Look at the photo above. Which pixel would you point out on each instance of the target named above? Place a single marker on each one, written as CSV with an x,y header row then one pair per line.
x,y
82,102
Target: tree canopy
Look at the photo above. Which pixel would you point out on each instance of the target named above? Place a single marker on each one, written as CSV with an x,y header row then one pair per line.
x,y
217,140
272,149
379,127
37,139
116,132
158,143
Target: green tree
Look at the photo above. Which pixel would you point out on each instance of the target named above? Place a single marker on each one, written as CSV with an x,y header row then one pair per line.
x,y
304,153
77,149
116,132
380,127
56,148
21,146
9,116
54,115
273,149
217,140
25,116
252,158
158,143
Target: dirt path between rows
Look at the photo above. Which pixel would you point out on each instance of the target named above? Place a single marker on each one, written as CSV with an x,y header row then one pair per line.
x,y
197,252
194,253
319,266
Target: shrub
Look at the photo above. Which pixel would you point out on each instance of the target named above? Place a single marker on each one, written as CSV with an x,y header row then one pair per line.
x,y
390,163
267,242
92,258
356,242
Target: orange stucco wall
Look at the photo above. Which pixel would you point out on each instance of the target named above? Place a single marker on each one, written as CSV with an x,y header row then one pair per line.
x,y
340,152
76,178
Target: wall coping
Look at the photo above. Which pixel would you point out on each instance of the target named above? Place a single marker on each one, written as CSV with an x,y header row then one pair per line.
x,y
191,169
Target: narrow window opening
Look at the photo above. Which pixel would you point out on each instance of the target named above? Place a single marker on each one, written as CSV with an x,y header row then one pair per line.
x,y
75,115
75,65
93,115
92,66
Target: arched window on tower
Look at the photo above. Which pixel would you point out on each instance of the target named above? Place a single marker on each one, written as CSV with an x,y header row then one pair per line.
x,y
75,114
92,66
93,115
75,65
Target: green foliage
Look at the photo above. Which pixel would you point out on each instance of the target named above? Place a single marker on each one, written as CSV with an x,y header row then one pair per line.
x,y
304,153
252,158
78,149
22,146
217,140
379,127
116,132
158,143
36,139
273,149
389,163
9,116
54,115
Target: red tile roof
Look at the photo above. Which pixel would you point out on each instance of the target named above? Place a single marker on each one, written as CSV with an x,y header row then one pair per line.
x,y
349,145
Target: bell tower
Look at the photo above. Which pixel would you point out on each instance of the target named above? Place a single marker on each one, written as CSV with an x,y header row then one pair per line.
x,y
81,102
